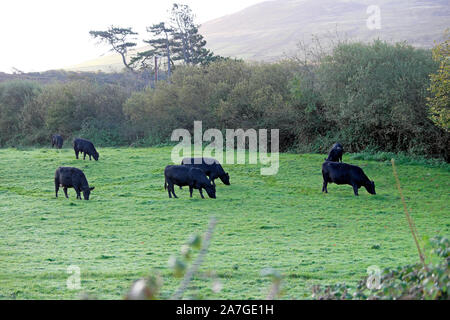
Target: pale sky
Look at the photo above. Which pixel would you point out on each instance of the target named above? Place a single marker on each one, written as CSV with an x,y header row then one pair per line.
x,y
38,35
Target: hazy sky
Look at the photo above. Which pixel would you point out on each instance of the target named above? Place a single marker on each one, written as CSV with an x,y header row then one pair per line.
x,y
38,35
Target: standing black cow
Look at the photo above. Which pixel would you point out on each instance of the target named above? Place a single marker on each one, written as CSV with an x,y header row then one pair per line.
x,y
211,167
57,141
343,173
187,176
86,147
335,153
69,177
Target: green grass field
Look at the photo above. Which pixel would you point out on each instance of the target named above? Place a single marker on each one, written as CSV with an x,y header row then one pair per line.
x,y
130,226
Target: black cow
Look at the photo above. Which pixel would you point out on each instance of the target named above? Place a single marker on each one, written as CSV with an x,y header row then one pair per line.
x,y
57,141
86,147
187,176
335,153
343,173
211,167
69,177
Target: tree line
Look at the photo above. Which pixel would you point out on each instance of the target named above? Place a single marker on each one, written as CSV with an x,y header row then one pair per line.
x,y
178,40
376,96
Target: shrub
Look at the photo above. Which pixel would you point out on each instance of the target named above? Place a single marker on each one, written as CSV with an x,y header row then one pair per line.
x,y
224,94
439,102
417,281
366,96
84,108
15,97
376,95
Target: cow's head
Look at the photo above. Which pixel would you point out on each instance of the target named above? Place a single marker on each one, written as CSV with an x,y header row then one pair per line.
x,y
370,187
96,156
87,192
211,191
225,178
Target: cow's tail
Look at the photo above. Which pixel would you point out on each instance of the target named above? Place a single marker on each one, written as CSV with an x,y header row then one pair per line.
x,y
165,184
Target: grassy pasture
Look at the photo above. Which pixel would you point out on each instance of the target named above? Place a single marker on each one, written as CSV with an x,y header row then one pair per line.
x,y
130,226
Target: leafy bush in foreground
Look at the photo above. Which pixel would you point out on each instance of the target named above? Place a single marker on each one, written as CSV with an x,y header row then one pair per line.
x,y
411,282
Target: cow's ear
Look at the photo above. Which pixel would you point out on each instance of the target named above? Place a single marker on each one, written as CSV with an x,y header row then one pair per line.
x,y
91,188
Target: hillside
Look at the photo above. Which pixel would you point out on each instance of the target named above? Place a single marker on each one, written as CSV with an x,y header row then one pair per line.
x,y
123,79
107,63
269,30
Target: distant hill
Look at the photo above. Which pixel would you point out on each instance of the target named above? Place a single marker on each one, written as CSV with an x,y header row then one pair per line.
x,y
107,63
124,79
268,30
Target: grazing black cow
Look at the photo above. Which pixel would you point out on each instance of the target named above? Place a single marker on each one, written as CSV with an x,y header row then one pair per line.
x,y
69,177
343,173
86,147
57,141
187,176
335,153
211,167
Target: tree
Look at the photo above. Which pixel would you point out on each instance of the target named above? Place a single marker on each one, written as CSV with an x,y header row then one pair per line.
x,y
375,95
160,43
439,103
188,45
119,40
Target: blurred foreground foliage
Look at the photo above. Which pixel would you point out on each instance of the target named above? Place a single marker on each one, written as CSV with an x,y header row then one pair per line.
x,y
412,282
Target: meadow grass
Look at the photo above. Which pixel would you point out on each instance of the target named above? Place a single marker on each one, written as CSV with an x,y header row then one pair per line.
x,y
130,226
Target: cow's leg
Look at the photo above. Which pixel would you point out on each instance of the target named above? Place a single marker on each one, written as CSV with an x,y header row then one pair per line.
x,y
191,189
90,158
76,153
324,187
201,193
84,155
65,192
173,192
213,183
355,189
56,188
169,190
78,191
172,189
325,183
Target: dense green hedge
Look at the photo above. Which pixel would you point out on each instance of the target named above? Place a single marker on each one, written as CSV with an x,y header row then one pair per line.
x,y
367,96
30,114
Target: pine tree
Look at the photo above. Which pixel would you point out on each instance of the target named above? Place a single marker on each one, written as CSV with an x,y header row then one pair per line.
x,y
188,45
119,40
